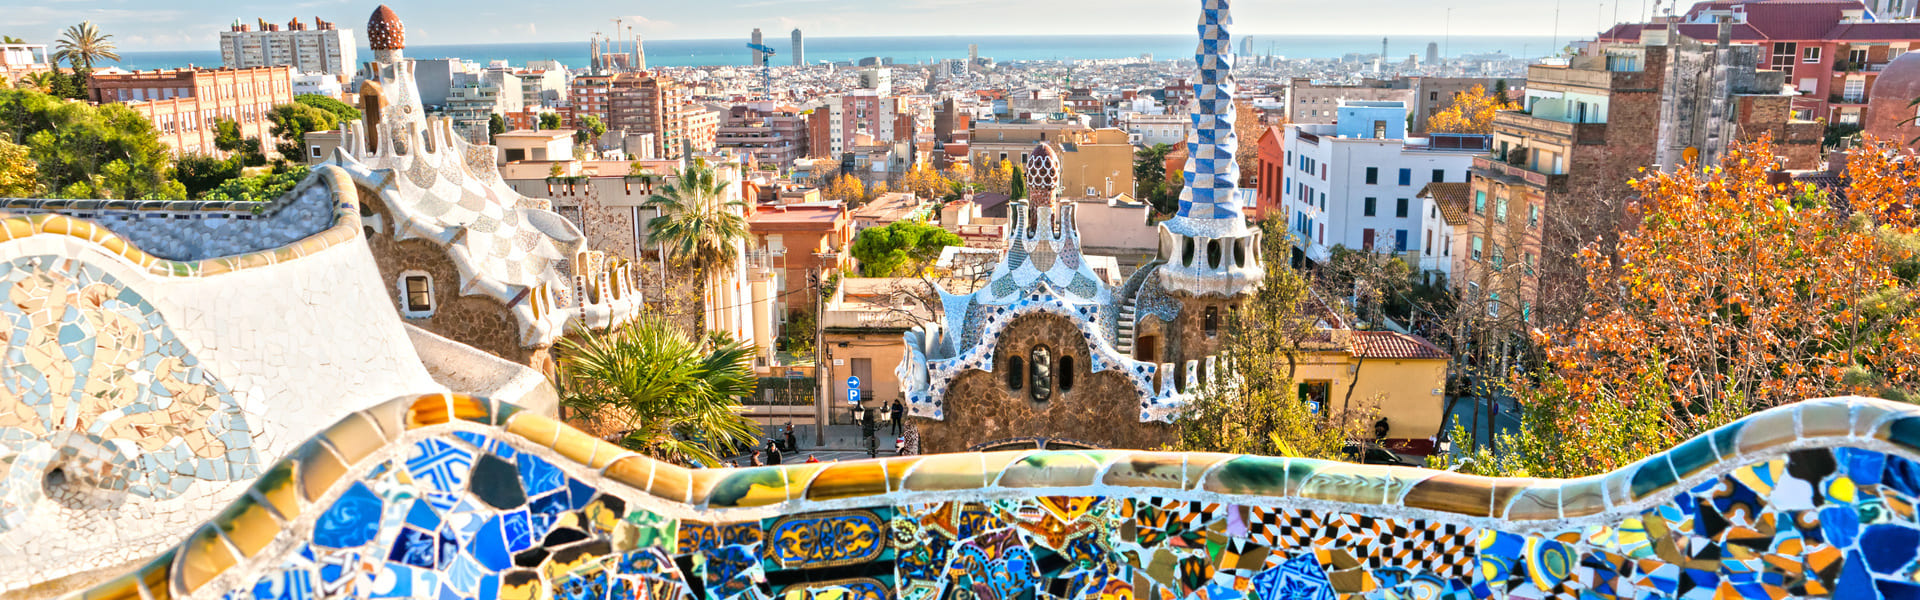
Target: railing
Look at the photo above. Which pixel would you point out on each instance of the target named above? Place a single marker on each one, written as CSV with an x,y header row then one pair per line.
x,y
1488,166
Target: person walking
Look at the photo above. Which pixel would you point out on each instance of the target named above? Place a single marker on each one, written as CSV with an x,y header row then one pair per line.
x,y
756,461
899,412
812,459
773,453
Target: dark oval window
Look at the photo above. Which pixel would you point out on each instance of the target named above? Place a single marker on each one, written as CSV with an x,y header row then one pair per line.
x,y
1066,373
1213,254
1042,374
1186,252
1240,252
1016,373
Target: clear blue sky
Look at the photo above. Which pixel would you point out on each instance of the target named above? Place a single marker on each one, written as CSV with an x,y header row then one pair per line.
x,y
195,25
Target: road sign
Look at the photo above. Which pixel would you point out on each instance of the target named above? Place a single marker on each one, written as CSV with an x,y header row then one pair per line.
x,y
853,382
853,395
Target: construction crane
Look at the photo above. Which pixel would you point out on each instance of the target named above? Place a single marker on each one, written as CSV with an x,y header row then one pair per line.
x,y
766,75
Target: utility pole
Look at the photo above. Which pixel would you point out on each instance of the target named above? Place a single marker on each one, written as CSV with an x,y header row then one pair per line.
x,y
822,373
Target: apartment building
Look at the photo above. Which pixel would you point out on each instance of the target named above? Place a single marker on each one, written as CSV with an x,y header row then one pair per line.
x,y
183,104
18,60
321,48
1093,162
769,133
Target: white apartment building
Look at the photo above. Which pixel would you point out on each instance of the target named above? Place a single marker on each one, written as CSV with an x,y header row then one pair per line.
x,y
319,49
1146,130
1356,183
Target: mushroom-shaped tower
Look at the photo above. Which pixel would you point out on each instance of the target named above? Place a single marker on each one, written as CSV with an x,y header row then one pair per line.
x,y
1043,175
386,34
1207,247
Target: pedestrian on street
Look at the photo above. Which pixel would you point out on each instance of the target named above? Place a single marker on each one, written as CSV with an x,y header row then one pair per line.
x,y
756,460
899,411
812,459
773,453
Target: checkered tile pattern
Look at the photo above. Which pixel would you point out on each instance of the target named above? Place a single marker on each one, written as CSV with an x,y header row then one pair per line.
x,y
1419,546
1211,173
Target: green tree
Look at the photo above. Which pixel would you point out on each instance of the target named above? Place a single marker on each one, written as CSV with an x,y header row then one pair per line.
x,y
591,128
227,138
1150,179
549,120
1259,411
901,249
673,397
106,151
200,173
342,112
292,123
83,45
258,188
19,175
1017,187
698,225
495,126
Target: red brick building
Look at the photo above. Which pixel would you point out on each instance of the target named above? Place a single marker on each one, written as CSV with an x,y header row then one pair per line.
x,y
184,103
1831,50
1271,161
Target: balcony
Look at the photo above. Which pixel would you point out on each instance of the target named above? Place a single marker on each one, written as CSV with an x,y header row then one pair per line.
x,y
1486,166
1526,125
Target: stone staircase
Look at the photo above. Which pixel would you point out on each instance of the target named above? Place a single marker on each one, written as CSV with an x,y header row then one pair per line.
x,y
1123,328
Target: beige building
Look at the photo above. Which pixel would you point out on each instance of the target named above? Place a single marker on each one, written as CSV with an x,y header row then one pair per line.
x,y
183,104
1401,377
1093,162
18,60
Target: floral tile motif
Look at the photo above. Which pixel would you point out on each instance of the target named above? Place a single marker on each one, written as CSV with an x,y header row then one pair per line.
x,y
101,400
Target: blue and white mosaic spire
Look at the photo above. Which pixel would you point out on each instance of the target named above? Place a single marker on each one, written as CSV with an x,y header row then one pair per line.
x,y
1207,247
1212,175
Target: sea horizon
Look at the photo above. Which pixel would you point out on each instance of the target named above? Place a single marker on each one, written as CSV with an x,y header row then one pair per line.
x,y
918,49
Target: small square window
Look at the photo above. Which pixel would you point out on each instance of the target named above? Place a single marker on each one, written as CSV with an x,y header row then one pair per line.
x,y
416,294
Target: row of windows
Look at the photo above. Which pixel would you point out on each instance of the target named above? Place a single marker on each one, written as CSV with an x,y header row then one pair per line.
x,y
1495,254
1371,207
1500,209
1406,176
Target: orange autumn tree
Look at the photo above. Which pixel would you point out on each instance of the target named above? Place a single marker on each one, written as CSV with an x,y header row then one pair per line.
x,y
1728,295
1471,112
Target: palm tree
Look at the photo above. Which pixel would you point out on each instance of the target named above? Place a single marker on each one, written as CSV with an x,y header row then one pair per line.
x,y
696,225
82,45
43,81
674,397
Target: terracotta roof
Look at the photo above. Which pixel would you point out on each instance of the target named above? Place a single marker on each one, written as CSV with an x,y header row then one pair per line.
x,y
1797,20
1394,345
1452,199
1904,30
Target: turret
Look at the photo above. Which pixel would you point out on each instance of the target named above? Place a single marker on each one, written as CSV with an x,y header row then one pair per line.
x,y
386,35
1208,248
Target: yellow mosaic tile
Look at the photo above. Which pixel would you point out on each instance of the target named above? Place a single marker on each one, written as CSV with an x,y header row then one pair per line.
x,y
1148,469
1050,469
1768,429
355,437
202,557
849,480
248,525
631,469
319,469
947,472
1822,418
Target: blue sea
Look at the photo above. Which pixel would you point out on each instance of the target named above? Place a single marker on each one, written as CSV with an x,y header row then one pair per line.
x,y
922,49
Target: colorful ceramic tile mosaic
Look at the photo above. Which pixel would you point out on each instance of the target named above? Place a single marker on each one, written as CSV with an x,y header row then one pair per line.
x,y
457,497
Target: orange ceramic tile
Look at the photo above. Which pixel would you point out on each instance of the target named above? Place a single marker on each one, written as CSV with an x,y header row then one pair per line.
x,y
743,487
430,409
155,575
124,587
276,488
535,428
848,480
248,525
202,557
631,469
469,408
670,482
584,449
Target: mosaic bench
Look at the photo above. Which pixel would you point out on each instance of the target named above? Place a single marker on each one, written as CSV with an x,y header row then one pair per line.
x,y
459,497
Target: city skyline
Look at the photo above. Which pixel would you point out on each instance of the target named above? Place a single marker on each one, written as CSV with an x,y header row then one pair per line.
x,y
169,26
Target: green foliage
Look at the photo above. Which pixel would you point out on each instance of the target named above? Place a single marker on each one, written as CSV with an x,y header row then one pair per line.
x,y
674,396
495,126
292,123
227,138
106,151
901,249
1150,179
342,112
549,120
82,45
1838,132
798,336
698,225
1260,412
19,175
258,188
1018,188
200,173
